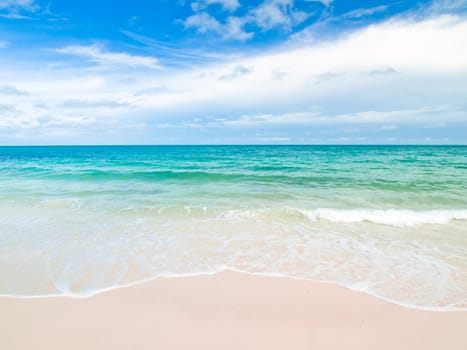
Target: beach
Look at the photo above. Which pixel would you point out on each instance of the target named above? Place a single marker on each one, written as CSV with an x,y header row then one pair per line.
x,y
388,221
228,310
233,247
233,175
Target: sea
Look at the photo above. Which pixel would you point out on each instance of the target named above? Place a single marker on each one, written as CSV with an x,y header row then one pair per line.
x,y
390,221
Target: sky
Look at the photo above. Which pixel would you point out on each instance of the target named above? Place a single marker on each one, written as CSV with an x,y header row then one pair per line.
x,y
233,72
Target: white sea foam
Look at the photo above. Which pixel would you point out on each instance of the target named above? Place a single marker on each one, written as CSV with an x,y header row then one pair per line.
x,y
96,255
357,287
390,217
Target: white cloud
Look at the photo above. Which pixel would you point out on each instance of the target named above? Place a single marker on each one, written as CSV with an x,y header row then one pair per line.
x,y
229,5
324,2
12,8
411,116
14,16
96,54
11,90
203,23
231,29
236,72
389,127
268,15
271,14
358,13
234,29
28,4
382,70
398,72
418,51
440,6
277,13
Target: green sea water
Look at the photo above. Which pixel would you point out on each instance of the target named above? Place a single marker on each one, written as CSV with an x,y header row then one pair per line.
x,y
387,220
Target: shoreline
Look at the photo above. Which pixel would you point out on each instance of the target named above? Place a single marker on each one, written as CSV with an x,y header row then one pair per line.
x,y
228,310
236,271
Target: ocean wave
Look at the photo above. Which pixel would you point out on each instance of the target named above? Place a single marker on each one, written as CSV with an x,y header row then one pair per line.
x,y
390,217
195,176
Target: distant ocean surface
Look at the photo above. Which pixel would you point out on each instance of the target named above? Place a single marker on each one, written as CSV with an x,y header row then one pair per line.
x,y
387,220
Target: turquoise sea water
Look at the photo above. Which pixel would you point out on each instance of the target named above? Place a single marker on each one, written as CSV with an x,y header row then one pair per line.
x,y
387,220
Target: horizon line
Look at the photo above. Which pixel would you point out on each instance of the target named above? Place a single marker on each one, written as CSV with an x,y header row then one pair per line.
x,y
238,144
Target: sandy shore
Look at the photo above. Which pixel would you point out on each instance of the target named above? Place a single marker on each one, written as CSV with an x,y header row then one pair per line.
x,y
226,311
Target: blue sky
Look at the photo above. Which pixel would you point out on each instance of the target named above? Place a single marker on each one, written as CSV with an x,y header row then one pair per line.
x,y
233,72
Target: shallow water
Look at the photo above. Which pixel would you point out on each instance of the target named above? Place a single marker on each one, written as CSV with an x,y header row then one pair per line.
x,y
388,220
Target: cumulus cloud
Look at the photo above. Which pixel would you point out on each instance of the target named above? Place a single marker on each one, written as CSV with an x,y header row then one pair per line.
x,y
96,54
203,23
234,29
277,13
417,68
417,75
231,29
270,14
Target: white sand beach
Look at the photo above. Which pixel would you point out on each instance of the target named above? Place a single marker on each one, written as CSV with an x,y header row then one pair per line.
x,y
228,310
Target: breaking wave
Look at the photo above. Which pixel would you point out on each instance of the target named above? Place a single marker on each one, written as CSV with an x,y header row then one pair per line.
x,y
390,217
